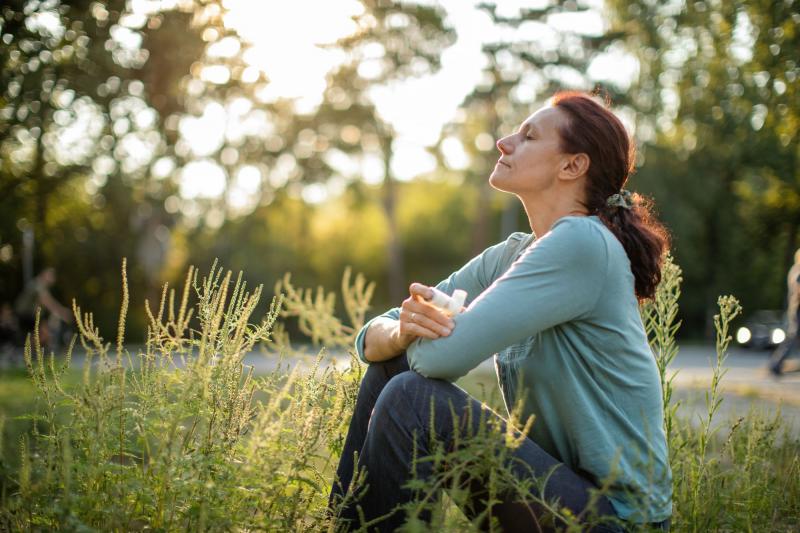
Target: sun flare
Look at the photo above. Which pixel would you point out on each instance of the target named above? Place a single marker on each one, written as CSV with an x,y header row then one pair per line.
x,y
286,39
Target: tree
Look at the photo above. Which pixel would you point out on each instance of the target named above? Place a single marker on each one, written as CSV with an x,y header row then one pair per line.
x,y
394,40
80,133
519,74
717,87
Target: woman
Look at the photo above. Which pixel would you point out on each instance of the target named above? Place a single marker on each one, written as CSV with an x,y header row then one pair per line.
x,y
559,313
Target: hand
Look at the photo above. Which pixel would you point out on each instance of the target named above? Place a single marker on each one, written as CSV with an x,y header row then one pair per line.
x,y
419,319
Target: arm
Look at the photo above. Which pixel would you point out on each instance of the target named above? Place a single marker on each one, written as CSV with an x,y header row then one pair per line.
x,y
556,280
380,338
387,338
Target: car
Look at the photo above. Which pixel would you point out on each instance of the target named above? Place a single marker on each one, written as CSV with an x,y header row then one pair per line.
x,y
764,330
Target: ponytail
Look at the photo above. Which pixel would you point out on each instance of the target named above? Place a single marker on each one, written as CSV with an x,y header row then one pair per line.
x,y
644,239
594,130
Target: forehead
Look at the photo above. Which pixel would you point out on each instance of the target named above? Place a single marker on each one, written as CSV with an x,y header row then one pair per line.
x,y
547,119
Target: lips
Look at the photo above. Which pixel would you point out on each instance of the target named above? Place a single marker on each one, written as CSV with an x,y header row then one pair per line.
x,y
501,162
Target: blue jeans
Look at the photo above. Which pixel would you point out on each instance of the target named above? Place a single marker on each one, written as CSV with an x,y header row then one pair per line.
x,y
783,352
785,349
391,421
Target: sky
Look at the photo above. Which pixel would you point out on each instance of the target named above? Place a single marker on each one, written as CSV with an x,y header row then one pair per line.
x,y
285,41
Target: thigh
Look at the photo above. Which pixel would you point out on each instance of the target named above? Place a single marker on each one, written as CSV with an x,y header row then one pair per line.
x,y
459,421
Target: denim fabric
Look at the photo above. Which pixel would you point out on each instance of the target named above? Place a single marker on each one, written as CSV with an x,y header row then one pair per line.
x,y
393,410
786,348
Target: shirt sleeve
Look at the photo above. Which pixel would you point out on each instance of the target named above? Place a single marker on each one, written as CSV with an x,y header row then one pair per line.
x,y
556,280
474,277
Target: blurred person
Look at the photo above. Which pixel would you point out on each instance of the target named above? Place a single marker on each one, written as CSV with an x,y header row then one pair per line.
x,y
792,339
8,324
36,294
559,309
9,331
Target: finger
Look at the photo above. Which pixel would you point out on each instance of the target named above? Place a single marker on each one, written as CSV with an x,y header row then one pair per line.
x,y
412,305
435,314
423,291
423,320
412,328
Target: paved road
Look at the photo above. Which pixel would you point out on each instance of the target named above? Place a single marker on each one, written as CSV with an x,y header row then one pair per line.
x,y
746,374
746,384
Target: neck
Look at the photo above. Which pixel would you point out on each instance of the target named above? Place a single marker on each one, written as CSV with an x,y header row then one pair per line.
x,y
544,212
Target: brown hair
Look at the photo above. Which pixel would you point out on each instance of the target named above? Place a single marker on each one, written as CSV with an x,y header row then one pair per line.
x,y
594,130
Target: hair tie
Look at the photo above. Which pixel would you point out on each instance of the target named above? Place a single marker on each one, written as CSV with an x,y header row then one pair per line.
x,y
623,199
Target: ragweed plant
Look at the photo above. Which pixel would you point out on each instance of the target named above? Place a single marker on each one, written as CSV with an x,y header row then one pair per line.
x,y
316,311
660,317
181,435
736,475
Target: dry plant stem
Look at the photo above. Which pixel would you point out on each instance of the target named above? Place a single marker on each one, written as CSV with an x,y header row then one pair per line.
x,y
729,308
120,370
660,319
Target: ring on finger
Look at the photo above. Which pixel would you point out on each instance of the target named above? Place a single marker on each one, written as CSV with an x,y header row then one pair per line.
x,y
412,316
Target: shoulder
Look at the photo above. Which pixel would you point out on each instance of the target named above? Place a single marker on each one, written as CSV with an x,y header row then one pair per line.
x,y
518,240
506,251
582,236
573,246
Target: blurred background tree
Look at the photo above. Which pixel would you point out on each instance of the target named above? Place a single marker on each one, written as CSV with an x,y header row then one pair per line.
x,y
538,53
717,113
158,130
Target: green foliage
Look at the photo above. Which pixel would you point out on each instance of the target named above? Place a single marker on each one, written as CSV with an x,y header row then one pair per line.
x,y
181,435
716,115
316,314
659,316
747,480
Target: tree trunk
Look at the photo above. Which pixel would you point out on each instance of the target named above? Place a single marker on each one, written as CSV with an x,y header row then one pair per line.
x,y
42,191
718,222
394,247
480,229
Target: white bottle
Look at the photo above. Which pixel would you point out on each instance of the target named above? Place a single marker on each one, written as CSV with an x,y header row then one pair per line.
x,y
449,305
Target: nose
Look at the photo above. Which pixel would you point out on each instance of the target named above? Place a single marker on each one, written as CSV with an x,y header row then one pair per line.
x,y
504,146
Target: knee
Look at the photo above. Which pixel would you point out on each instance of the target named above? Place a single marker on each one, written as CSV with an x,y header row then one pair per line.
x,y
401,385
401,394
373,376
378,373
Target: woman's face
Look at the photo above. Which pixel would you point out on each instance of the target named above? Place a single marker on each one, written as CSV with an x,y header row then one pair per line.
x,y
531,158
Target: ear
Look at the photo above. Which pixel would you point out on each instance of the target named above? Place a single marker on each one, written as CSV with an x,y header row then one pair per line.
x,y
574,166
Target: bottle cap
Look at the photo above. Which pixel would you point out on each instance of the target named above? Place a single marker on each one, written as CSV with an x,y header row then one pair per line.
x,y
458,299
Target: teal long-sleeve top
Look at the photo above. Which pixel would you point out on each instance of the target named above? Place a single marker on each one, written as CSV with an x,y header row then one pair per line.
x,y
560,316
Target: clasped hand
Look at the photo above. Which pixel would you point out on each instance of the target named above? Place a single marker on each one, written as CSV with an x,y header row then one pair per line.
x,y
420,319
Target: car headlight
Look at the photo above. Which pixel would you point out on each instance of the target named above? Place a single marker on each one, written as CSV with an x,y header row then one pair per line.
x,y
743,335
777,336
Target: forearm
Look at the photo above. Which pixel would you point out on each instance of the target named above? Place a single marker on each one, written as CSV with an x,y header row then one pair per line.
x,y
382,340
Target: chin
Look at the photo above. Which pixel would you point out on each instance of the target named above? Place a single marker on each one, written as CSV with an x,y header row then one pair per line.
x,y
497,183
